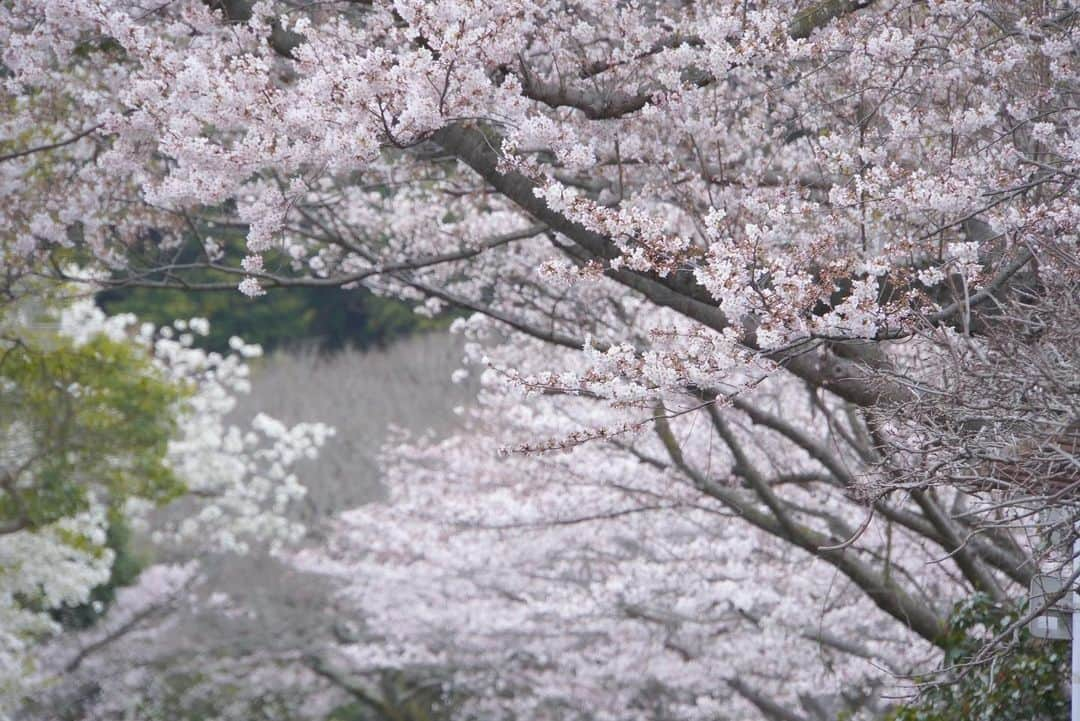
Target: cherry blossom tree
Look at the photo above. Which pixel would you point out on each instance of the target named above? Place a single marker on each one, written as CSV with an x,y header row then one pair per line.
x,y
726,239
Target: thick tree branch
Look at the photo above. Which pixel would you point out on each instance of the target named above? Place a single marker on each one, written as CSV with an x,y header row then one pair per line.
x,y
972,568
767,706
820,14
49,146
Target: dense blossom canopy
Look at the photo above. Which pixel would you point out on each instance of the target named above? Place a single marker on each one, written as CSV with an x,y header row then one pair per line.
x,y
829,183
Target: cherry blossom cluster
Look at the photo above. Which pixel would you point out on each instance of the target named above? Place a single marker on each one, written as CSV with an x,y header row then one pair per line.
x,y
243,474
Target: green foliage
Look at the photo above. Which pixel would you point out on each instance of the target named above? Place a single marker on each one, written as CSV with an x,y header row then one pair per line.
x,y
1028,683
330,317
80,417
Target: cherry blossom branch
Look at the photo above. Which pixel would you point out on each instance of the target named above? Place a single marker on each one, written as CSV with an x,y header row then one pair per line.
x,y
475,147
940,531
882,589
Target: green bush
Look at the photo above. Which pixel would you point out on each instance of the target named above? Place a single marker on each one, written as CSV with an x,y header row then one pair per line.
x,y
1027,682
